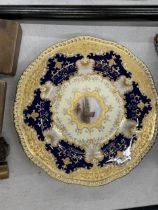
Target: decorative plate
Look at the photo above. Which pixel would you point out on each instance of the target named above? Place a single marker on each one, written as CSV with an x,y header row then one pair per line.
x,y
86,111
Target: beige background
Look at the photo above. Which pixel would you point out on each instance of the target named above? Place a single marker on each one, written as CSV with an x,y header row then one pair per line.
x,y
29,188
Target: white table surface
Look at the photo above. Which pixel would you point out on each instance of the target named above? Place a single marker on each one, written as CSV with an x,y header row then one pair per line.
x,y
90,2
28,187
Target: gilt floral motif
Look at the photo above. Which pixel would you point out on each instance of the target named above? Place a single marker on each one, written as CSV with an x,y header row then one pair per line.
x,y
85,112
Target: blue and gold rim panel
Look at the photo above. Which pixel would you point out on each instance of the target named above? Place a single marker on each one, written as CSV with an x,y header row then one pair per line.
x,y
86,111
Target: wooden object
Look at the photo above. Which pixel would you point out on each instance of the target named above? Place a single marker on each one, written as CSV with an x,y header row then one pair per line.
x,y
4,149
10,38
80,12
3,87
4,171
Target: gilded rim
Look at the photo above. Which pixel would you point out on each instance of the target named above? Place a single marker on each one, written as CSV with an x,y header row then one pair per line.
x,y
21,135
